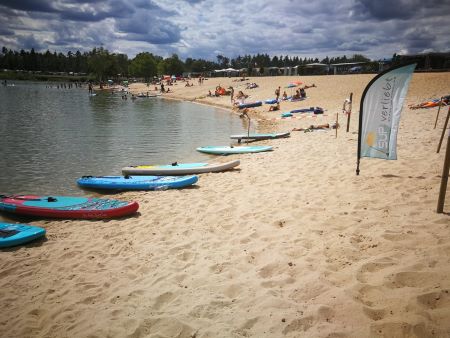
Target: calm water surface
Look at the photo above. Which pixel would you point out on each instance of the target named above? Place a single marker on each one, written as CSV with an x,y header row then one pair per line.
x,y
50,137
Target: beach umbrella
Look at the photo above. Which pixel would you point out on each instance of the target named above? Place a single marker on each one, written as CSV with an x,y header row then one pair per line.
x,y
290,86
298,83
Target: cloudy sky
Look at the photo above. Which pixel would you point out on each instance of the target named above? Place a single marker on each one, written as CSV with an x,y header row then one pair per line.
x,y
204,28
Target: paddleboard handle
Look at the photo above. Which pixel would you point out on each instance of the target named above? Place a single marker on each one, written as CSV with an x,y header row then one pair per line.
x,y
49,199
174,164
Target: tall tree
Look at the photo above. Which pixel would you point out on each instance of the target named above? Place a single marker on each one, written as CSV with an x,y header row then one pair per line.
x,y
143,65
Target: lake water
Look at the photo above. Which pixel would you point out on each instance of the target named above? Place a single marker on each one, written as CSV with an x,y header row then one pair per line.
x,y
50,137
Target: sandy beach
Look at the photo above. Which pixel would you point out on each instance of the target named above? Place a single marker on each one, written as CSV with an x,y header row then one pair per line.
x,y
291,244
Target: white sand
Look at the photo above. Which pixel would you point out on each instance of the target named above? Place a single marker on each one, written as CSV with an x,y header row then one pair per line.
x,y
293,244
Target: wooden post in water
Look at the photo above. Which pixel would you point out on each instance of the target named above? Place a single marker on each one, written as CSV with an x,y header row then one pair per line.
x,y
443,130
349,112
437,116
444,179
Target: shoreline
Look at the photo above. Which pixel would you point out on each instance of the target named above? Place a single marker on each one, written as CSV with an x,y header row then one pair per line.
x,y
291,244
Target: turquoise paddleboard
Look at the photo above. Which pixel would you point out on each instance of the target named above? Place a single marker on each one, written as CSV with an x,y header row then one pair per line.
x,y
16,234
225,150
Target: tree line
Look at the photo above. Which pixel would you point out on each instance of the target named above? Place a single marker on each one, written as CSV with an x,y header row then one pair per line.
x,y
103,64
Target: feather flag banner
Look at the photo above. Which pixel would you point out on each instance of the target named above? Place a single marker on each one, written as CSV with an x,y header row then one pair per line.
x,y
380,111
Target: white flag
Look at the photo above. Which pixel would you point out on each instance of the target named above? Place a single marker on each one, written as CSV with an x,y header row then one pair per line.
x,y
381,107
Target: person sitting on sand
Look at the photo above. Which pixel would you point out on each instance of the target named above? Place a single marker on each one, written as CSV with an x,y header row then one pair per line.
x,y
240,98
241,95
318,127
302,93
284,95
275,107
296,95
209,93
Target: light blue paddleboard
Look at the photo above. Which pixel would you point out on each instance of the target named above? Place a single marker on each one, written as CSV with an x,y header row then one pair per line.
x,y
225,150
136,182
179,168
259,136
16,234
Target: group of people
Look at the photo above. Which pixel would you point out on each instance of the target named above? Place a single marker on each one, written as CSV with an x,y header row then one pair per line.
x,y
299,94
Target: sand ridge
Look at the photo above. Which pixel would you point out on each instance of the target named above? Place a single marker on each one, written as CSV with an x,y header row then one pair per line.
x,y
291,244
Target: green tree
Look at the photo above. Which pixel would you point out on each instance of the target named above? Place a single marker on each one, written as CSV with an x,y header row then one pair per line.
x,y
143,65
101,63
171,66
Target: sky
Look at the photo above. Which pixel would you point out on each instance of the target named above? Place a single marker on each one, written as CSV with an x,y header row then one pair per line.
x,y
205,29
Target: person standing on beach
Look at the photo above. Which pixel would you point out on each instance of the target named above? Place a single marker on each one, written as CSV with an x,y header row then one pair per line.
x,y
162,88
231,94
277,93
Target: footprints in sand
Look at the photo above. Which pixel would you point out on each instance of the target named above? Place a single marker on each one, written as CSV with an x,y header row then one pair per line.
x,y
435,300
367,272
384,291
323,314
162,327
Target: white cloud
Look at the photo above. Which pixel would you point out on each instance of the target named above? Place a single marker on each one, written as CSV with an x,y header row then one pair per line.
x,y
202,28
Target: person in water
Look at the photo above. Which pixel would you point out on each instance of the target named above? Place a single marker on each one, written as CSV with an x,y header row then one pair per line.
x,y
90,87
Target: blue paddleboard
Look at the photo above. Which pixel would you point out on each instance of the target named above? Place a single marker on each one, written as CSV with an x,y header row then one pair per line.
x,y
136,182
16,234
250,105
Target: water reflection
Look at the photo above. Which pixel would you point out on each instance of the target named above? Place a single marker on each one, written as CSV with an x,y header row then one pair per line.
x,y
52,136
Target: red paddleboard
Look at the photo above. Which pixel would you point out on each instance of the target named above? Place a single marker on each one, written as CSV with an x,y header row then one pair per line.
x,y
66,207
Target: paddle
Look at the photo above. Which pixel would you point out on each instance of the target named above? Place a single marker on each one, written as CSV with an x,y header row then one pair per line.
x,y
248,129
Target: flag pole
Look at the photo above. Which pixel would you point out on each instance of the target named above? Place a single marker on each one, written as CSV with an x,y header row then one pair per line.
x,y
439,109
349,112
443,130
337,123
444,179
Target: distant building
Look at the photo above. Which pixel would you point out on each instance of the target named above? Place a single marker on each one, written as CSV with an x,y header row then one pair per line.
x,y
426,62
314,69
347,67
